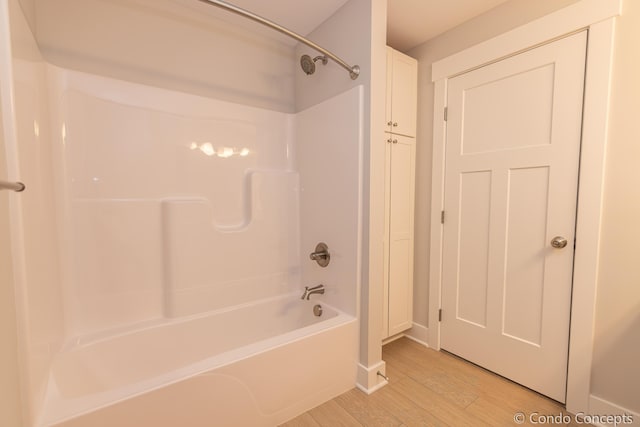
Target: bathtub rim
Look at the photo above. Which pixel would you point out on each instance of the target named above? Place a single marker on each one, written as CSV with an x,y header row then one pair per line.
x,y
91,338
57,409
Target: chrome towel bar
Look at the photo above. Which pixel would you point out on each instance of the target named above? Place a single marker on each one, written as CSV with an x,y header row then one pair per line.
x,y
354,71
15,186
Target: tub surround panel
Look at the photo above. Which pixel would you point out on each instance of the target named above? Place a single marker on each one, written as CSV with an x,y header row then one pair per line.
x,y
184,46
179,207
10,400
329,145
34,233
123,140
176,204
136,260
157,250
209,267
117,262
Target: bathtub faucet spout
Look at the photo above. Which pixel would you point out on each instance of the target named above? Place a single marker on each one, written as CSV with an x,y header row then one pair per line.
x,y
310,291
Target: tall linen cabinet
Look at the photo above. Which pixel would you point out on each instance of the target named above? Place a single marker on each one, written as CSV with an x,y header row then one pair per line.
x,y
400,160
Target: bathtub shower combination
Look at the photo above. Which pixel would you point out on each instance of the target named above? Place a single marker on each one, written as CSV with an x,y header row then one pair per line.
x,y
181,229
181,271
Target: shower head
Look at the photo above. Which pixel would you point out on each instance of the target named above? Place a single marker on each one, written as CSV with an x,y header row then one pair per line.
x,y
309,65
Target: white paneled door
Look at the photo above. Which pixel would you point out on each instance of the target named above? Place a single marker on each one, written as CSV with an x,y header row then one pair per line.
x,y
511,179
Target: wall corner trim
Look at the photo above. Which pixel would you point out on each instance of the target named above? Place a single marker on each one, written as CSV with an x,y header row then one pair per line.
x,y
368,379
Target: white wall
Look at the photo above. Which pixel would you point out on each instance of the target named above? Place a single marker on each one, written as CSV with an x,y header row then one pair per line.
x,y
503,18
184,46
616,376
347,34
29,10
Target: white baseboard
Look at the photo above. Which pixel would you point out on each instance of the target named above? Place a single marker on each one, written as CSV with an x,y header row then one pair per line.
x,y
419,334
601,407
368,379
393,338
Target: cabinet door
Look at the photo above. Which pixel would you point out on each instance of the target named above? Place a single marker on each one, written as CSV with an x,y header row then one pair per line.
x,y
401,212
404,95
387,112
385,242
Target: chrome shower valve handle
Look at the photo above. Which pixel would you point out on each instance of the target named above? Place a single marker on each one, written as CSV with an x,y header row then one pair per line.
x,y
321,254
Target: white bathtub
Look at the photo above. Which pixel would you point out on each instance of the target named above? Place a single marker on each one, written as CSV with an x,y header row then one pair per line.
x,y
279,361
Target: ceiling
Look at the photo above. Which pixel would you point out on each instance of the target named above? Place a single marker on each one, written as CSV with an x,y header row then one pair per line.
x,y
412,22
300,16
409,22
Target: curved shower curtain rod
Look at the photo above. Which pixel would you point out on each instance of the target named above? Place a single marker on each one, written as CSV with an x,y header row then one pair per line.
x,y
15,186
354,71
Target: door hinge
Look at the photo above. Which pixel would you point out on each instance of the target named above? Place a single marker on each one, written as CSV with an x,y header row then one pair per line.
x,y
440,315
446,113
442,217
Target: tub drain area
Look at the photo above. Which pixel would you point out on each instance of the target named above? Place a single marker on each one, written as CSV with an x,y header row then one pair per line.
x,y
317,310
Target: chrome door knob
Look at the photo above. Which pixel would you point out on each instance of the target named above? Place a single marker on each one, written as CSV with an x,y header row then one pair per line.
x,y
558,242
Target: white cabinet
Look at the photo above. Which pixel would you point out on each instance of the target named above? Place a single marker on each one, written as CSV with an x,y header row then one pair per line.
x,y
399,201
400,160
402,93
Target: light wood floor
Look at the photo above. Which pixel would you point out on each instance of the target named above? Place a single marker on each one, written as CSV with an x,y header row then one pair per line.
x,y
430,388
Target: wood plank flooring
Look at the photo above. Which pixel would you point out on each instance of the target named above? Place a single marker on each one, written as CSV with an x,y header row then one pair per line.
x,y
431,388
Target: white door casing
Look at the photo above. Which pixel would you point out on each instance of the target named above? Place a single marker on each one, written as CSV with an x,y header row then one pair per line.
x,y
511,176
